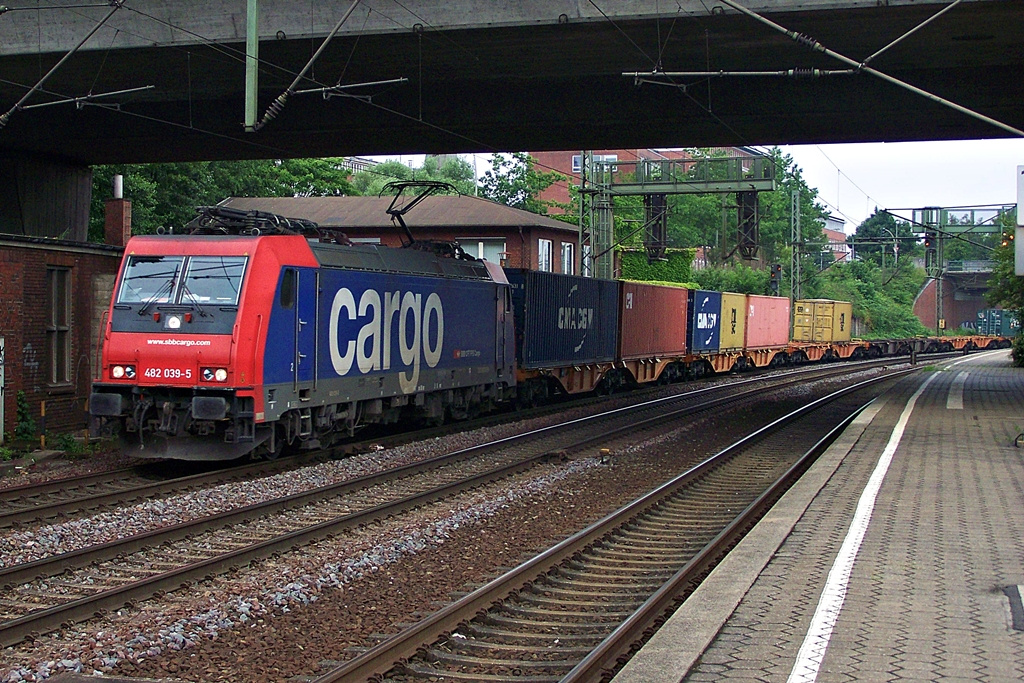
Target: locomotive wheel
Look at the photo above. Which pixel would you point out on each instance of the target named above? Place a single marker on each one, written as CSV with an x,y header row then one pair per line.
x,y
275,452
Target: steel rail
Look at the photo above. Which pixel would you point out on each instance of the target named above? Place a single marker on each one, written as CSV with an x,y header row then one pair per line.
x,y
18,629
91,501
27,626
75,559
617,643
50,510
391,652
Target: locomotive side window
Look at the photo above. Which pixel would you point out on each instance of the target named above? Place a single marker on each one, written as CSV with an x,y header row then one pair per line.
x,y
288,289
213,280
150,279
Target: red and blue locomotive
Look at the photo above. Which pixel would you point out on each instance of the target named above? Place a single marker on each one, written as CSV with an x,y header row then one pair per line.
x,y
246,335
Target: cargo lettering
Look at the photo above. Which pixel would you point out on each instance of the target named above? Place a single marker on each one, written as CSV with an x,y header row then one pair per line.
x,y
420,333
570,318
707,321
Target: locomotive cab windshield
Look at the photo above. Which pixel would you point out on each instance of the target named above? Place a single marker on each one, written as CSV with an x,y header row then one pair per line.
x,y
182,280
156,292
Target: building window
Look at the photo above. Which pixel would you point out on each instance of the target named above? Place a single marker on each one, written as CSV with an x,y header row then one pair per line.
x,y
488,249
58,325
577,161
544,255
568,262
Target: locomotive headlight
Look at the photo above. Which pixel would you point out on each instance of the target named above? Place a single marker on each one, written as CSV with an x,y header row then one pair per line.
x,y
173,322
218,375
123,372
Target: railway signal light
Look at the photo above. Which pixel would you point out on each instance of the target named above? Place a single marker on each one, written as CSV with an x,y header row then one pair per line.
x,y
774,277
930,249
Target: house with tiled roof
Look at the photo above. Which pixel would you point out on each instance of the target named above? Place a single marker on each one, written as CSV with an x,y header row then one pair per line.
x,y
484,229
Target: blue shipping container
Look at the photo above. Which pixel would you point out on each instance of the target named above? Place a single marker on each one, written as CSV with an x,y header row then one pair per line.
x,y
703,333
563,320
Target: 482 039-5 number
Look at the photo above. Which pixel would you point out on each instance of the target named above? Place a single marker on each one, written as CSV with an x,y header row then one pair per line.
x,y
167,373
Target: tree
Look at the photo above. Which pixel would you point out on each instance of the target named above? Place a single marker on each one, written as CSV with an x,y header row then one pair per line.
x,y
878,234
513,180
737,278
695,220
1006,288
776,212
967,244
166,195
882,299
453,170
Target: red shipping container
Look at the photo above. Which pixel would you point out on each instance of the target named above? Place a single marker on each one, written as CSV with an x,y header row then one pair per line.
x,y
767,321
652,321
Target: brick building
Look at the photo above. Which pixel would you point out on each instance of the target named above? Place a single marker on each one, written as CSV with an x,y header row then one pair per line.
x,y
570,163
485,229
53,294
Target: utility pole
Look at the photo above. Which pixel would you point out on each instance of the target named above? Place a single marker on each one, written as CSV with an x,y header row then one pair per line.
x,y
252,56
931,217
796,240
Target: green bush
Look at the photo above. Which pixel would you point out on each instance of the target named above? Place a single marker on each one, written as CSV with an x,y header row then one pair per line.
x,y
740,279
1017,351
72,447
26,425
677,267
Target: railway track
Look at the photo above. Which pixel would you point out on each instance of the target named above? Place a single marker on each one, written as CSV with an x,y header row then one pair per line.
x,y
107,576
61,498
74,496
569,613
36,599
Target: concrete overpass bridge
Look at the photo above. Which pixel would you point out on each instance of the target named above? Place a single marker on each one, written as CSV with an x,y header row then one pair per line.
x,y
477,75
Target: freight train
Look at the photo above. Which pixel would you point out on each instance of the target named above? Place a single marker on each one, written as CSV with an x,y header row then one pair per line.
x,y
254,333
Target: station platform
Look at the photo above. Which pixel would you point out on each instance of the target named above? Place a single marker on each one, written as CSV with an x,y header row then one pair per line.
x,y
899,556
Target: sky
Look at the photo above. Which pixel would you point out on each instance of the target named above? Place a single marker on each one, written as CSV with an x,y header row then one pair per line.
x,y
854,179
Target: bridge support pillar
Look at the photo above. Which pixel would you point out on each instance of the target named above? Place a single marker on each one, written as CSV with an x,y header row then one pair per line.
x,y
42,198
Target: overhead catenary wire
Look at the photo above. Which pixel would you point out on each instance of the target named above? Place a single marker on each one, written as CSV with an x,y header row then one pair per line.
x,y
815,46
327,90
650,76
88,99
278,104
271,150
5,117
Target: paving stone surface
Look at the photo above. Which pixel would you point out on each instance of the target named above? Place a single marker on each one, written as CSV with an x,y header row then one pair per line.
x,y
925,600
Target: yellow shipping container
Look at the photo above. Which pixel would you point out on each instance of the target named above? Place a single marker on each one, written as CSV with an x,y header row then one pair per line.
x,y
734,321
822,320
842,321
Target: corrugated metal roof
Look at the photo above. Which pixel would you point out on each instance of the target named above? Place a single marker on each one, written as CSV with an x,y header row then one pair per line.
x,y
369,212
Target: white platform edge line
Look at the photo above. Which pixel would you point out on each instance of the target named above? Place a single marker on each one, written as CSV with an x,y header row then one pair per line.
x,y
812,651
955,399
673,650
